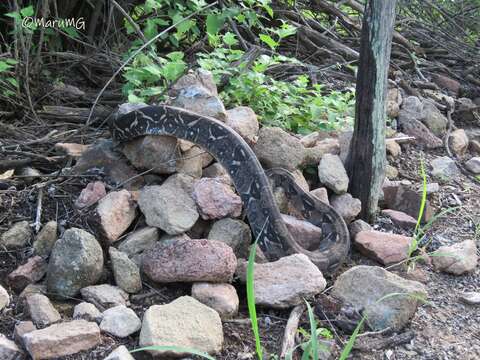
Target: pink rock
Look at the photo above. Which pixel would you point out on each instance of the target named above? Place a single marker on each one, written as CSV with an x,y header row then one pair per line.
x,y
215,199
243,120
400,219
92,193
401,198
383,247
30,272
446,82
305,234
458,142
222,298
116,212
182,260
321,194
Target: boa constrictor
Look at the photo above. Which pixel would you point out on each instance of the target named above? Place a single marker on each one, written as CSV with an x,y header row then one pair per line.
x,y
250,180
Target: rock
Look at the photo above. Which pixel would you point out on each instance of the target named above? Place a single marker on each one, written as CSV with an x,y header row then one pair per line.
x,y
447,83
215,199
189,261
321,194
234,233
456,259
473,165
30,272
391,172
120,353
41,310
383,247
431,188
433,118
458,142
400,219
76,261
192,163
87,311
399,197
347,206
215,171
444,168
22,328
370,288
243,120
307,235
313,155
120,321
101,156
222,298
104,296
358,225
200,328
199,100
159,153
62,339
470,298
30,290
71,149
465,111
394,99
46,239
168,207
286,282
332,174
4,298
345,138
277,148
393,148
18,236
9,350
116,212
125,271
311,139
475,146
198,77
92,193
139,241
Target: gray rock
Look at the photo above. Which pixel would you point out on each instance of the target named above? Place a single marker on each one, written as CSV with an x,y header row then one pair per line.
x,y
9,350
470,298
41,310
313,155
277,148
199,100
116,212
139,241
104,296
120,321
45,239
159,153
62,339
370,288
4,298
433,118
286,282
200,328
321,194
234,233
192,162
125,271
76,261
199,77
215,199
358,225
87,311
17,236
347,206
125,108
332,174
457,259
444,168
168,207
222,298
393,148
120,353
243,120
473,165
189,261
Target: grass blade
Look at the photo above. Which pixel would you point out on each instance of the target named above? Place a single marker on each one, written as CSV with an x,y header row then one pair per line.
x,y
313,333
177,349
349,346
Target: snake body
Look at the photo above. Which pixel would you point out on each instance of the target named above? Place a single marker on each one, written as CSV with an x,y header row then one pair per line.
x,y
250,180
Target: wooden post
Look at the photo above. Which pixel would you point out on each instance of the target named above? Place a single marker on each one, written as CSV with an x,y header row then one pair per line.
x,y
366,160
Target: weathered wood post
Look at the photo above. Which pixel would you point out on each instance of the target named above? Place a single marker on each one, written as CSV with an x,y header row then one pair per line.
x,y
366,160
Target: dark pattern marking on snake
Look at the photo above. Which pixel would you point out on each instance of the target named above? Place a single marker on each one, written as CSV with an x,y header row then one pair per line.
x,y
250,180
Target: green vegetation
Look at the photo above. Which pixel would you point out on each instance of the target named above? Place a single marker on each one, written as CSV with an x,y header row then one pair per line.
x,y
175,349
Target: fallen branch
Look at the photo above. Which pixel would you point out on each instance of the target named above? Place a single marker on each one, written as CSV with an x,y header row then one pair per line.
x,y
288,343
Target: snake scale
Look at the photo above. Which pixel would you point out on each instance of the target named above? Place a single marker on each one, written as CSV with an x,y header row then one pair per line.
x,y
250,180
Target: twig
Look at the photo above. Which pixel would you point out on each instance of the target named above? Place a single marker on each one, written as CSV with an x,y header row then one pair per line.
x,y
288,343
130,20
38,214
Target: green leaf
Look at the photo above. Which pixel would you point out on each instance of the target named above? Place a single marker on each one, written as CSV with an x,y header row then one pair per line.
x,y
4,66
267,39
251,299
177,349
134,99
230,39
152,91
175,56
72,32
153,69
28,11
313,332
214,23
12,81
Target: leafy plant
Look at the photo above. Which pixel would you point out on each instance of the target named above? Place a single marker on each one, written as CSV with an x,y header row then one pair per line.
x,y
176,349
7,79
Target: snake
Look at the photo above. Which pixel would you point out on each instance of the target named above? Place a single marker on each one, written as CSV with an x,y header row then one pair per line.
x,y
251,181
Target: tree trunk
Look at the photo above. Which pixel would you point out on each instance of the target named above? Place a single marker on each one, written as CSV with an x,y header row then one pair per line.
x,y
366,160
